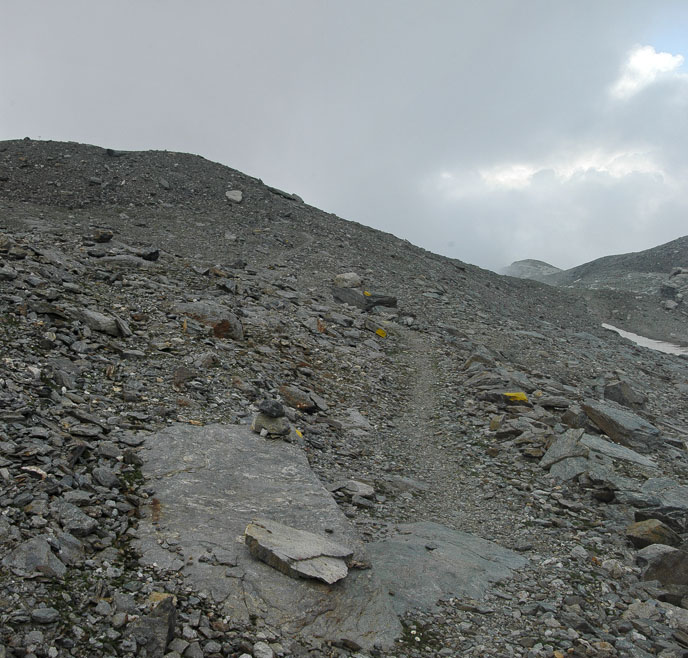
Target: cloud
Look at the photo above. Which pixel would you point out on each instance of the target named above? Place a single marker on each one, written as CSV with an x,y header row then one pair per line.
x,y
643,66
559,168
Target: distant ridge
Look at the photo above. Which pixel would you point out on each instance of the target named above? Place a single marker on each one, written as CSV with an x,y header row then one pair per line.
x,y
530,269
657,260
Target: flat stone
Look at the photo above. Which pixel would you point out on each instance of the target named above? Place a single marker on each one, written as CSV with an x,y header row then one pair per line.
x,y
235,196
623,426
459,565
210,483
616,451
297,552
45,615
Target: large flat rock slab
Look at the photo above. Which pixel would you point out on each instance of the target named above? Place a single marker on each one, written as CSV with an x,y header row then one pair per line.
x,y
210,484
427,562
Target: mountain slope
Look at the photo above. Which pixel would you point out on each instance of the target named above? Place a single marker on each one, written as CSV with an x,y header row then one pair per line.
x,y
148,320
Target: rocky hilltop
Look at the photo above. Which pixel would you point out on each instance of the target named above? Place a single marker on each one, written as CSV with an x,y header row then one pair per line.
x,y
530,269
235,425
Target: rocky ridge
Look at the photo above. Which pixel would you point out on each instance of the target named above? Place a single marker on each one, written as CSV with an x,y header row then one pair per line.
x,y
134,311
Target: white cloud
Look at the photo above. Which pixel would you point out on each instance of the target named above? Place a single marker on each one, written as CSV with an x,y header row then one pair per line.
x,y
563,168
643,66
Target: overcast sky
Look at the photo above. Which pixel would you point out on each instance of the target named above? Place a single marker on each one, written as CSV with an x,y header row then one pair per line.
x,y
485,130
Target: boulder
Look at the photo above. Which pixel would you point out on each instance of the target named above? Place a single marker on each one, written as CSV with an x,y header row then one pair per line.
x,y
651,531
623,426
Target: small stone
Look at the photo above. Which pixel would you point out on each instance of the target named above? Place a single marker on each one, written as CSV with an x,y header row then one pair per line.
x,y
272,408
275,426
235,196
347,280
262,650
45,615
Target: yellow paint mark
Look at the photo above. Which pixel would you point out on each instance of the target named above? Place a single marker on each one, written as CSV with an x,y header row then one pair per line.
x,y
381,332
299,432
520,396
366,293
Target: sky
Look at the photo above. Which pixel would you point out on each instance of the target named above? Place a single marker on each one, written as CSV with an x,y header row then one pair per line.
x,y
485,130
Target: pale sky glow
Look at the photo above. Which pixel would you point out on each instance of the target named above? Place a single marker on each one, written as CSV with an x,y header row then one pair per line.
x,y
643,67
489,131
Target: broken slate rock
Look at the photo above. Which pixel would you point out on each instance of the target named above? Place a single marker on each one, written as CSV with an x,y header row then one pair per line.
x,y
427,562
297,553
623,426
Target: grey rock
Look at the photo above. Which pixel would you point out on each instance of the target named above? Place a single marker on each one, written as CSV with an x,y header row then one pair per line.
x,y
235,196
275,426
73,520
155,630
564,447
231,476
45,615
623,426
105,477
262,650
70,549
362,300
219,318
622,393
669,568
460,565
34,556
272,408
97,321
347,280
296,552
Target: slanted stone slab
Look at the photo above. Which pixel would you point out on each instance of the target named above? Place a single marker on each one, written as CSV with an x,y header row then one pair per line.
x,y
427,562
210,483
297,553
616,451
623,426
